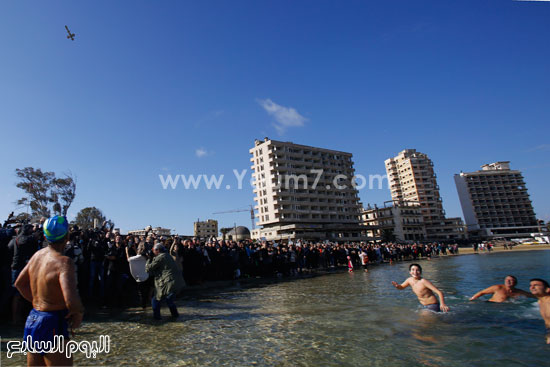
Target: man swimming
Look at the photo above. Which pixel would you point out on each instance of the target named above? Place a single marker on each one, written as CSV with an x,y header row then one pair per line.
x,y
424,290
540,289
501,292
48,281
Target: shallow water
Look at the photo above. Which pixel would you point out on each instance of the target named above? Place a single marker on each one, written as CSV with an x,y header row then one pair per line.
x,y
339,320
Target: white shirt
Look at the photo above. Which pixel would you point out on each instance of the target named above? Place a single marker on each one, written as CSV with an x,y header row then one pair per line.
x,y
364,258
137,268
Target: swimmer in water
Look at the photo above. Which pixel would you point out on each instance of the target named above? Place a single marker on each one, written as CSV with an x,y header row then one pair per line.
x,y
501,292
540,289
424,290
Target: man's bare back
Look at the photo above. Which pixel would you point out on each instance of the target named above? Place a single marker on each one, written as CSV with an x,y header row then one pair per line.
x,y
48,281
51,275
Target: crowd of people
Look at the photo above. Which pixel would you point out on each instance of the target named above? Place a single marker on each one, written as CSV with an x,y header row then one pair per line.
x,y
52,266
109,272
101,259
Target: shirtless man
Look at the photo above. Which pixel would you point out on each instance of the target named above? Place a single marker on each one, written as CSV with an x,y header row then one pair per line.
x,y
424,290
48,281
540,289
501,292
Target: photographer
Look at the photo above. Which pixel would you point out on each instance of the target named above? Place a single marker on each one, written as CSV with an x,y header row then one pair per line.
x,y
6,254
168,279
117,271
97,249
73,249
24,246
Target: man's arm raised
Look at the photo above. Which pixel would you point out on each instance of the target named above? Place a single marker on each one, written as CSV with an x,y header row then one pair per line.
x,y
404,285
492,289
67,280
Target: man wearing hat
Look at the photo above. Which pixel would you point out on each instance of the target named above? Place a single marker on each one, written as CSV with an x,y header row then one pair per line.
x,y
48,281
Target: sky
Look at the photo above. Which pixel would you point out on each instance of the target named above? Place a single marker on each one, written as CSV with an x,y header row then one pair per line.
x,y
170,87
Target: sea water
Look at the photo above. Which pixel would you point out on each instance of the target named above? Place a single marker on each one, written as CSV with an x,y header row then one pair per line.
x,y
340,319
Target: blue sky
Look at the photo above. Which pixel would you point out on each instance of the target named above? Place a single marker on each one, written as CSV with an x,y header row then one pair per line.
x,y
184,87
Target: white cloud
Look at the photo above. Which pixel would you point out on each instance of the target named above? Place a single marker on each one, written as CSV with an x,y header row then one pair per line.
x,y
285,117
540,148
201,152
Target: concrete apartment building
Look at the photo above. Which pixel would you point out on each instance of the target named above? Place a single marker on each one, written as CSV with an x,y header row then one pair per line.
x,y
412,178
403,220
159,231
495,202
205,229
304,192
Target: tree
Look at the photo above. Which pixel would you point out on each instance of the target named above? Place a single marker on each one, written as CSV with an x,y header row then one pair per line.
x,y
43,189
85,218
37,185
64,190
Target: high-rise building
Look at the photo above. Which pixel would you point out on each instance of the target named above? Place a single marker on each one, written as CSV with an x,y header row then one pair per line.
x,y
303,192
495,202
412,178
205,229
401,220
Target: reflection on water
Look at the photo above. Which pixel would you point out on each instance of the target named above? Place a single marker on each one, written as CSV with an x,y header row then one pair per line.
x,y
340,320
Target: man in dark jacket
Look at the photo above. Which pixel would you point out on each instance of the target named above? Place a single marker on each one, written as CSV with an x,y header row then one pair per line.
x,y
24,246
97,249
168,280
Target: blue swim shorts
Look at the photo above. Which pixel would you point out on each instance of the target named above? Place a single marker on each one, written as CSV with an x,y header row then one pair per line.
x,y
433,307
44,325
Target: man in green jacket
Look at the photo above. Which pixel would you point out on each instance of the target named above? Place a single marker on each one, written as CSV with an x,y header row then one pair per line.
x,y
168,280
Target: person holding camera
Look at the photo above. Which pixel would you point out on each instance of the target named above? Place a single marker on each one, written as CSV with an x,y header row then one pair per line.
x,y
168,279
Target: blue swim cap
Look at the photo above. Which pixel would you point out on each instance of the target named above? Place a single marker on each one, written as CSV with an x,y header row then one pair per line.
x,y
55,228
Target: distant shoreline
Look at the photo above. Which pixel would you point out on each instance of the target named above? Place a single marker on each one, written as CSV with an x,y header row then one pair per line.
x,y
470,250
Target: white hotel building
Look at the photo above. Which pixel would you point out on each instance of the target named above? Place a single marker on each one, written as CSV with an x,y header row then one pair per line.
x,y
303,192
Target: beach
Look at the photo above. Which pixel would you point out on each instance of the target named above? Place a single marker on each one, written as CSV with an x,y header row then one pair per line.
x,y
470,250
